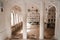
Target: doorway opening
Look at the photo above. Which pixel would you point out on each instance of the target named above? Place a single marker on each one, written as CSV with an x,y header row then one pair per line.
x,y
49,31
33,20
16,23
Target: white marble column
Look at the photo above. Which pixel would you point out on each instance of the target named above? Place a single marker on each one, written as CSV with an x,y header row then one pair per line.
x,y
24,27
24,22
57,23
41,22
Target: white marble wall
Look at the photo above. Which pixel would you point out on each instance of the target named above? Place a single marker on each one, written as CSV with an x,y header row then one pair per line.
x,y
3,30
57,28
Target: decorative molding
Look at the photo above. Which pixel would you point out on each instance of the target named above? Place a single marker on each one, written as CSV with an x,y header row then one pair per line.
x,y
16,8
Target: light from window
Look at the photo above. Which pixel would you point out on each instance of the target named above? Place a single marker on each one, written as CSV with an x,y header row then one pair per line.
x,y
16,19
11,18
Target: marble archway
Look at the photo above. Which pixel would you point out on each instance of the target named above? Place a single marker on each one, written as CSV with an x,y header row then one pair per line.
x,y
33,20
16,22
49,31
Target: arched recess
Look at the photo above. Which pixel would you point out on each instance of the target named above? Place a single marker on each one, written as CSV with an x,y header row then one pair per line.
x,y
16,22
49,31
33,19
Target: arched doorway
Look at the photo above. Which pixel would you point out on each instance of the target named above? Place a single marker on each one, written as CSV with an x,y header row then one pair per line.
x,y
49,31
16,22
33,19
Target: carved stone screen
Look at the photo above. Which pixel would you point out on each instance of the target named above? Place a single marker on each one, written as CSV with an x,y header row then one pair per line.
x,y
33,16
